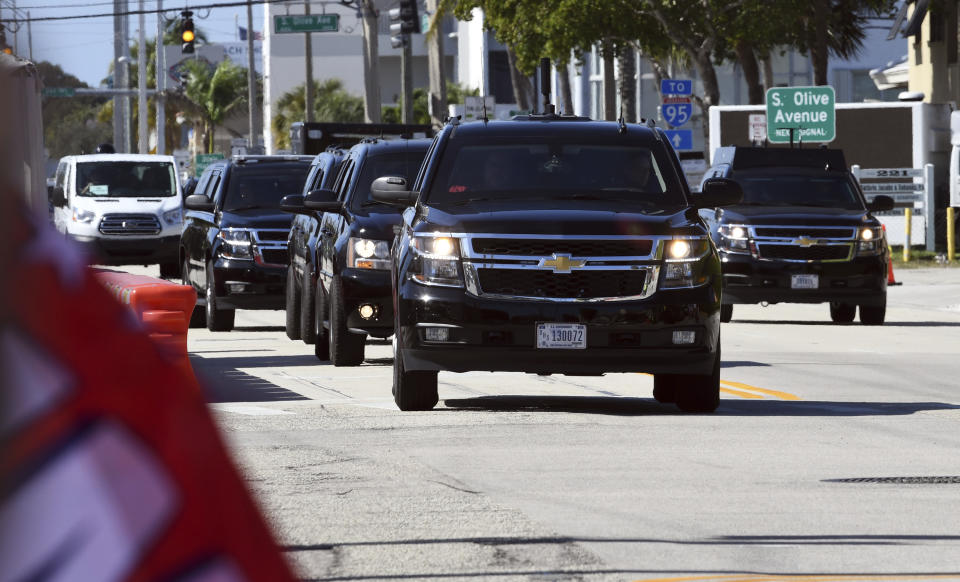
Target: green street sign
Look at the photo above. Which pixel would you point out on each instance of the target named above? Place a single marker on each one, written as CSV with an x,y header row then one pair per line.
x,y
306,23
808,111
59,91
204,160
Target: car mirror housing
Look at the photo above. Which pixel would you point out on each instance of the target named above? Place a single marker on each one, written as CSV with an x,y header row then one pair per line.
x,y
881,203
322,200
718,192
57,196
198,202
393,190
293,204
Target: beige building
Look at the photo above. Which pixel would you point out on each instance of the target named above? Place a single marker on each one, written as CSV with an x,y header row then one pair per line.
x,y
934,51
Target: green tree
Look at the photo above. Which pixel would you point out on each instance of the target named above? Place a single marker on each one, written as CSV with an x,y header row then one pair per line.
x,y
455,94
214,95
70,124
331,103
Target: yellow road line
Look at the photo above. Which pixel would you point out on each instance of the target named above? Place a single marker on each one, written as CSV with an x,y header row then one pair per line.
x,y
740,393
777,393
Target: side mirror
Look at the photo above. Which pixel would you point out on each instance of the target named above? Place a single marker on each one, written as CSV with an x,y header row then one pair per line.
x,y
393,190
57,196
323,200
718,192
881,203
198,202
189,187
293,204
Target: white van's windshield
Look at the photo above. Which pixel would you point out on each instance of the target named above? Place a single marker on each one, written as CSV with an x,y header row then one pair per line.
x,y
126,179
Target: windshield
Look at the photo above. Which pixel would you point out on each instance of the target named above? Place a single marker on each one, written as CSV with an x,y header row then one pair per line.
x,y
263,185
405,164
555,168
799,190
126,179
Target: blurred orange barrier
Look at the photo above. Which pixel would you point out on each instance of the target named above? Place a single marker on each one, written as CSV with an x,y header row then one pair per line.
x,y
162,307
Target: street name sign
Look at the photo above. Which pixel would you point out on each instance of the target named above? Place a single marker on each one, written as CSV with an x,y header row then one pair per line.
x,y
204,160
681,139
306,23
676,86
808,111
59,91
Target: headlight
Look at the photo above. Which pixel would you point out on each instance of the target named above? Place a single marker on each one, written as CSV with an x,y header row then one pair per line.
x,y
236,244
734,238
172,217
870,241
363,253
683,262
437,261
84,216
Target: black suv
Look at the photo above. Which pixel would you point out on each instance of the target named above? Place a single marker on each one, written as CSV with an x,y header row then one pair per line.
x,y
555,244
233,249
804,233
347,271
302,243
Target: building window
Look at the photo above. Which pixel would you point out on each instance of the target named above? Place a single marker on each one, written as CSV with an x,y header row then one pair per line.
x,y
951,34
936,26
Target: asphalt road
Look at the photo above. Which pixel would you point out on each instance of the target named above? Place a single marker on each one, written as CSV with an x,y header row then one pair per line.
x,y
815,466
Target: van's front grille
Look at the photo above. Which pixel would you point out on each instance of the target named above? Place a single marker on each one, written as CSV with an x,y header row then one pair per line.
x,y
129,224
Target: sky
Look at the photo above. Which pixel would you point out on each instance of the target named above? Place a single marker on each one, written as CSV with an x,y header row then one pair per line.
x,y
84,48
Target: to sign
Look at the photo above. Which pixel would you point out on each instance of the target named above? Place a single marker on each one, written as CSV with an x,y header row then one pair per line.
x,y
306,23
676,110
681,139
676,87
808,111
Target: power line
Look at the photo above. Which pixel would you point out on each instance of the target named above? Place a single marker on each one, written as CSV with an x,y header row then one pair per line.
x,y
153,11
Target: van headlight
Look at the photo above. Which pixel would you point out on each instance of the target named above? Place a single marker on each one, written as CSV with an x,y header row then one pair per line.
x,y
735,238
870,241
437,261
363,253
236,244
83,216
173,217
684,262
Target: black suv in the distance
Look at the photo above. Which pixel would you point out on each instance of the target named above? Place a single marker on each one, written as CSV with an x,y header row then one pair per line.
x,y
346,268
302,243
555,244
233,249
804,233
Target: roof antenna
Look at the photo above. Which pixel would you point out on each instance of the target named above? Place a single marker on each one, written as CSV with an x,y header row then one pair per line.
x,y
483,105
623,124
548,108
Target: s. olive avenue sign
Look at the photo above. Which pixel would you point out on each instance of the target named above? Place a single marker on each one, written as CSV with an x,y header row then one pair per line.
x,y
807,111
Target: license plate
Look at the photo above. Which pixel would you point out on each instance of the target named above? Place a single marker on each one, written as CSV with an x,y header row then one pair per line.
x,y
571,336
804,281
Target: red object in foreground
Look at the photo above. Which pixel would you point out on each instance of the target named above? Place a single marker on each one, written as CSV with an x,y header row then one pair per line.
x,y
113,468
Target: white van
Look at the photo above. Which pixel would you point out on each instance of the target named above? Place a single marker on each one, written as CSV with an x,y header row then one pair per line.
x,y
126,208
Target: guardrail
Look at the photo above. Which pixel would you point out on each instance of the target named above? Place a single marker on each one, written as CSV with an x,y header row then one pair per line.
x,y
162,307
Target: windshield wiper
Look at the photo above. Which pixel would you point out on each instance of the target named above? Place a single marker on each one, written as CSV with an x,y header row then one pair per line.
x,y
368,203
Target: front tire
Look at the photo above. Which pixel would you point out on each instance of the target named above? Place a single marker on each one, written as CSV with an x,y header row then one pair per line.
x,y
700,393
726,313
292,326
169,270
843,312
308,333
665,388
413,390
346,349
198,318
873,314
217,319
321,344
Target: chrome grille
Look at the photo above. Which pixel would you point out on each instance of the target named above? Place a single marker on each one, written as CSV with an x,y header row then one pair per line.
x,y
270,247
129,224
799,253
579,285
803,244
577,248
807,231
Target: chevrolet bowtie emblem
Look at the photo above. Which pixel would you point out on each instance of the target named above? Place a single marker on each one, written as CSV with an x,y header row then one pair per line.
x,y
806,242
561,263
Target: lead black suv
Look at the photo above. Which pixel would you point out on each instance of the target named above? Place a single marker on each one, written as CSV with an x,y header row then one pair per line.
x,y
555,244
233,249
347,272
804,233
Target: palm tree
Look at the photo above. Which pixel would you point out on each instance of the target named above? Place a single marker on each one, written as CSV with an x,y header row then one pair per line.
x,y
212,95
331,103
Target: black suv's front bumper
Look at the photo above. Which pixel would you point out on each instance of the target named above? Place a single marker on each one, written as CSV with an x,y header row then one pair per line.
x,y
243,284
500,335
861,281
368,287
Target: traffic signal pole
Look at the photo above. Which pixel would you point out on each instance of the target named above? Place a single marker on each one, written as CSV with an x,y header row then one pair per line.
x,y
143,141
159,100
308,51
254,118
406,80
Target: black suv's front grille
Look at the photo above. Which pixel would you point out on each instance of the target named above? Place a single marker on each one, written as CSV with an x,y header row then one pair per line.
x,y
576,285
797,253
575,248
273,235
129,224
803,231
274,256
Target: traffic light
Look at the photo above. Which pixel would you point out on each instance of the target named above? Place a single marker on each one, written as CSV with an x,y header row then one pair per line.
x,y
405,21
187,35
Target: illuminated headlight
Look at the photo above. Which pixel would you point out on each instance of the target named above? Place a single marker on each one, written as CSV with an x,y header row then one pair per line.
x,y
363,253
84,216
734,239
870,241
172,217
236,244
436,261
684,265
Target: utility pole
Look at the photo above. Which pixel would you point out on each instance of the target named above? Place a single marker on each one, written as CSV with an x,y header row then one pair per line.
x,y
117,75
143,129
406,80
252,84
29,36
437,99
160,100
308,50
125,70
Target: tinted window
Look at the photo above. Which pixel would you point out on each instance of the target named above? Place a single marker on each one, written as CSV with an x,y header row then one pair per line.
x,y
263,185
799,190
405,164
126,179
557,168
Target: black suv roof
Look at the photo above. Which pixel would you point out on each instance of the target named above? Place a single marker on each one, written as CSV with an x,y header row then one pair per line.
x,y
374,146
739,158
536,126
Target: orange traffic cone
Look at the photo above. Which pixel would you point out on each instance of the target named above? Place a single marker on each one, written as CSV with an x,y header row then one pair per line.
x,y
890,278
